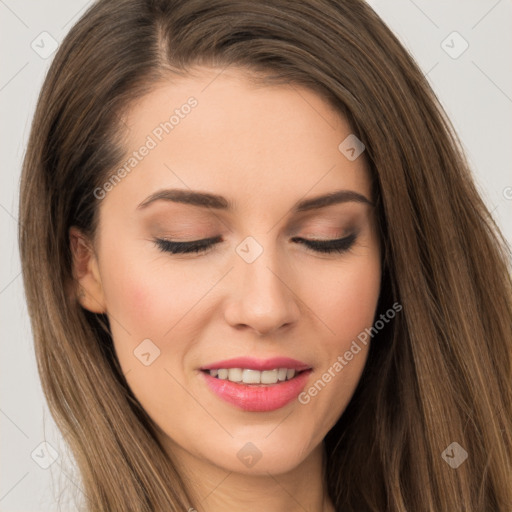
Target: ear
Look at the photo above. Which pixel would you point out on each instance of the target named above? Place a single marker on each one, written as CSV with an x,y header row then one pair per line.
x,y
86,272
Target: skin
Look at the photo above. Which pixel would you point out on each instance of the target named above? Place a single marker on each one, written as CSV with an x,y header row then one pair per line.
x,y
264,148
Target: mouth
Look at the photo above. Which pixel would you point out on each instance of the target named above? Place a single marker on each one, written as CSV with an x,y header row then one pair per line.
x,y
257,385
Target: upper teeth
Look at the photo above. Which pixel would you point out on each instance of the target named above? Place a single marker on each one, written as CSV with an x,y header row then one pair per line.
x,y
248,376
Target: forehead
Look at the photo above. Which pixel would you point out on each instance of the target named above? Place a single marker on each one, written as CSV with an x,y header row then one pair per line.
x,y
220,132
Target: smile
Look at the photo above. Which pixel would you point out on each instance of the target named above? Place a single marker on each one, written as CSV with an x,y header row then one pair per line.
x,y
257,385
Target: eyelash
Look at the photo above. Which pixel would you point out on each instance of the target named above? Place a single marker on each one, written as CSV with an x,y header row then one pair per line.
x,y
339,245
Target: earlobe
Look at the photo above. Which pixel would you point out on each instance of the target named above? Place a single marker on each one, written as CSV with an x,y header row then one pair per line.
x,y
89,290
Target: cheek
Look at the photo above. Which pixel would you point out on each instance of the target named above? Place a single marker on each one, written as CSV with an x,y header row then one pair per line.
x,y
148,304
345,299
327,395
147,295
346,303
354,303
138,303
147,300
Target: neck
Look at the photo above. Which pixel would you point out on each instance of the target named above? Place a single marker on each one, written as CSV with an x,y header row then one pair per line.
x,y
217,490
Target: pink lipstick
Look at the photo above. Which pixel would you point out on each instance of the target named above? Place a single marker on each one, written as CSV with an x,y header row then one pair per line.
x,y
256,385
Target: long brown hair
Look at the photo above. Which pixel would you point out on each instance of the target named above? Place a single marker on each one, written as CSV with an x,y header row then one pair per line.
x,y
441,372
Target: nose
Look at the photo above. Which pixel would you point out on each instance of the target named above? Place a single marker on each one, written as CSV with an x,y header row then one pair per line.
x,y
263,298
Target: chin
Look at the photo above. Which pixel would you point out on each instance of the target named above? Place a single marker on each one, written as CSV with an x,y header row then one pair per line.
x,y
262,457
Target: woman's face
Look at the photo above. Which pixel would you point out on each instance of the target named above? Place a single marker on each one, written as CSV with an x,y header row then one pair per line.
x,y
257,305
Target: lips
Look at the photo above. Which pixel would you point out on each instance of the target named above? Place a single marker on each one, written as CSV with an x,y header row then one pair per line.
x,y
257,385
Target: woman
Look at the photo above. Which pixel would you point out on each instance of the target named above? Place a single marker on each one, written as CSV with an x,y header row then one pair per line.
x,y
258,271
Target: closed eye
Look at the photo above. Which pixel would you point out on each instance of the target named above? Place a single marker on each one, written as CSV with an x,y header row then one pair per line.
x,y
196,246
339,245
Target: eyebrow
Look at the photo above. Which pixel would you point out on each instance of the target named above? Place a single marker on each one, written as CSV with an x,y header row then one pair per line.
x,y
217,202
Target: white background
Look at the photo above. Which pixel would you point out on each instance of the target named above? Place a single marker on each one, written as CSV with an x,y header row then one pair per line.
x,y
475,89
